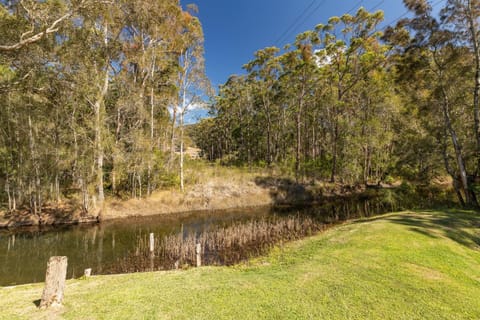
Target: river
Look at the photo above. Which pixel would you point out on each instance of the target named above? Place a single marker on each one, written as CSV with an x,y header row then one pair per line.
x,y
25,252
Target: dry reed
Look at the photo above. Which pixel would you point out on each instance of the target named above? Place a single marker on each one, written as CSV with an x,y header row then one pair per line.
x,y
220,246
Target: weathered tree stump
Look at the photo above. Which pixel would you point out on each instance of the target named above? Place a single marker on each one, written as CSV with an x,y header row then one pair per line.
x,y
88,272
54,282
198,250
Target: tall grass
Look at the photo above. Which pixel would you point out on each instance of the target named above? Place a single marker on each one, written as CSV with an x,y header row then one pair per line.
x,y
220,246
235,243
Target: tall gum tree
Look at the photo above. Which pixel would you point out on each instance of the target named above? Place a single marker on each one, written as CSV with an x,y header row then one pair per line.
x,y
298,80
430,48
347,42
62,87
264,71
150,36
37,20
191,81
463,17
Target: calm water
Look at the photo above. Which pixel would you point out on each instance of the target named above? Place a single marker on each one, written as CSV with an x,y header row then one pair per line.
x,y
24,253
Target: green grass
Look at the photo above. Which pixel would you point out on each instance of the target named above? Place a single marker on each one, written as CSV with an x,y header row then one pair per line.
x,y
422,265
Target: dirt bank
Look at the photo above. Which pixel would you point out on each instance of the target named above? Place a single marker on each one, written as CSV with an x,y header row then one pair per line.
x,y
50,215
221,194
215,194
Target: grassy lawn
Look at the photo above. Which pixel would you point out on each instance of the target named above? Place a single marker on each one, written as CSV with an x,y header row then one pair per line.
x,y
409,265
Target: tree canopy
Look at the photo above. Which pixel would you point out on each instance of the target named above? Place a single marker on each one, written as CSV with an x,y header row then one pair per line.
x,y
86,87
352,102
94,94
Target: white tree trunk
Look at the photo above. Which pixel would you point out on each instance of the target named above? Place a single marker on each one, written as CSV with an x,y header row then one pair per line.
x,y
182,186
99,103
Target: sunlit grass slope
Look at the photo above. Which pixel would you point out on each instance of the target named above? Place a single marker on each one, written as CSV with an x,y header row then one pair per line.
x,y
410,265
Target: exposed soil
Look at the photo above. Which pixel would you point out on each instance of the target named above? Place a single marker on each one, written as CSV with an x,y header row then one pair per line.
x,y
50,215
216,194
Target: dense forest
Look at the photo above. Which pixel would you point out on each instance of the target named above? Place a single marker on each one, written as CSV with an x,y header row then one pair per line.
x,y
357,103
94,94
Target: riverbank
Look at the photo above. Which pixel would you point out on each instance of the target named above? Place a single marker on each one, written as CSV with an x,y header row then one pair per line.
x,y
221,192
215,187
409,265
216,194
209,188
232,192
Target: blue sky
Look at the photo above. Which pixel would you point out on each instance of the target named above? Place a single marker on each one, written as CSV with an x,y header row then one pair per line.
x,y
234,30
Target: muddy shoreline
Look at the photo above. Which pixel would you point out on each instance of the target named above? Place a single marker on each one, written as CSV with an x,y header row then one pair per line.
x,y
205,197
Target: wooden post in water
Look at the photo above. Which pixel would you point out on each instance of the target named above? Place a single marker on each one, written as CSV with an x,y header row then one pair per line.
x,y
152,251
152,244
54,282
198,250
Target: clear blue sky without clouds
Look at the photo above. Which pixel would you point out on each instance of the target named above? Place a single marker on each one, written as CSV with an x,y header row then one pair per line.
x,y
235,29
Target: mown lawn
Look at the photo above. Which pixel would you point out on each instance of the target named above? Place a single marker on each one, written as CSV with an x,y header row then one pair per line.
x,y
409,265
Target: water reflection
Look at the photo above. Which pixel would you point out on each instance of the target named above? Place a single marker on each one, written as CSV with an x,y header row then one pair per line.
x,y
24,253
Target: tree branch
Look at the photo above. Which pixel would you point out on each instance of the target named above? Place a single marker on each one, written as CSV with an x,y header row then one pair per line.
x,y
37,37
52,28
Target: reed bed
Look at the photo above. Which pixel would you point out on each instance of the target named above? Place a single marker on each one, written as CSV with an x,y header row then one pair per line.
x,y
220,246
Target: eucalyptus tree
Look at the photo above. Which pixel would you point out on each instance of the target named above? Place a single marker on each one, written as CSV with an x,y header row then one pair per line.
x,y
191,81
85,89
264,71
299,80
146,87
350,50
463,18
440,65
34,21
206,136
240,121
96,36
33,119
372,130
326,103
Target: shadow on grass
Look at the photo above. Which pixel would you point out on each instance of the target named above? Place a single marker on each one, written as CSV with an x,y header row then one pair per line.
x,y
458,225
37,302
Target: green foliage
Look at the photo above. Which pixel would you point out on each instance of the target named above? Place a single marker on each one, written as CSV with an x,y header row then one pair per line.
x,y
6,73
359,109
326,106
83,108
411,265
